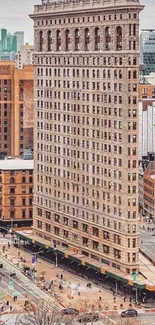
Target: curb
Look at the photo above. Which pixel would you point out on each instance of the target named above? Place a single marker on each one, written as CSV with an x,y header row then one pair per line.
x,y
150,310
109,312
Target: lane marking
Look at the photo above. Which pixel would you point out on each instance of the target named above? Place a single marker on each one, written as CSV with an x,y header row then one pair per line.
x,y
111,320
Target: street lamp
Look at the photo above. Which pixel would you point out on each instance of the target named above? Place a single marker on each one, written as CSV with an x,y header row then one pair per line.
x,y
34,261
116,287
56,257
56,254
11,225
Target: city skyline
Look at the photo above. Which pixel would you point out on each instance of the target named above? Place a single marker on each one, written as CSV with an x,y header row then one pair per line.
x,y
14,16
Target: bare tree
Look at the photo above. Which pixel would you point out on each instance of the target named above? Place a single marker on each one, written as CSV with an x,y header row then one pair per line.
x,y
40,315
129,321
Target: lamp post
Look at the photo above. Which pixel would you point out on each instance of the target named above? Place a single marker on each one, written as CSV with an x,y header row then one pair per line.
x,y
11,225
56,254
34,261
136,288
116,288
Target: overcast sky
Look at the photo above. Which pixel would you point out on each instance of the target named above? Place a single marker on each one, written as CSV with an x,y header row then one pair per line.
x,y
14,16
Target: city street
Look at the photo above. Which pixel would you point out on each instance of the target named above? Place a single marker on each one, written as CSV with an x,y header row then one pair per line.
x,y
21,286
143,319
75,291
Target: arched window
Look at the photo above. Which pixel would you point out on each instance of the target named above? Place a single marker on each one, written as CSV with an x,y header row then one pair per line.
x,y
108,38
49,40
12,180
118,38
58,40
77,39
134,74
87,38
67,39
41,41
97,39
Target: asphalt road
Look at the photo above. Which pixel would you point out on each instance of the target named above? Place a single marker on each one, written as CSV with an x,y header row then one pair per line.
x,y
23,285
147,243
144,319
9,285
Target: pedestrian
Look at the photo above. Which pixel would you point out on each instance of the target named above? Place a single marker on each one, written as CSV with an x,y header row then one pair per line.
x,y
100,298
48,320
3,249
124,299
8,245
15,298
18,254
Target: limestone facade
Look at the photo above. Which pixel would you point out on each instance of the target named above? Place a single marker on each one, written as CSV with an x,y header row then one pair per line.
x,y
86,128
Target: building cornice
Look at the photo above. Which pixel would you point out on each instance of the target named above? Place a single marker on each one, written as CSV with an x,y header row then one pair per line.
x,y
74,7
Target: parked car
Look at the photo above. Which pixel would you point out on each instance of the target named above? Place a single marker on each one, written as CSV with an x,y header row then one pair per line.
x,y
129,313
69,311
88,317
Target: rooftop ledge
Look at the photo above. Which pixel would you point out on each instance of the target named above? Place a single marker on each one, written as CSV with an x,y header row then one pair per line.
x,y
47,6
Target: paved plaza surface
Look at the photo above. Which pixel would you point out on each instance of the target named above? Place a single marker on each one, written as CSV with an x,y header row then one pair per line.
x,y
67,289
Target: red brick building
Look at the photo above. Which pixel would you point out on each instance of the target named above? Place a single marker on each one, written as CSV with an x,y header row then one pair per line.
x,y
16,108
16,192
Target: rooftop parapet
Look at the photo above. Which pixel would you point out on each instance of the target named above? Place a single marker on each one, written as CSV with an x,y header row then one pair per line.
x,y
49,6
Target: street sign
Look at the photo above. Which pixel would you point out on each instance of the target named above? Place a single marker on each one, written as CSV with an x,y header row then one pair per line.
x,y
134,277
33,260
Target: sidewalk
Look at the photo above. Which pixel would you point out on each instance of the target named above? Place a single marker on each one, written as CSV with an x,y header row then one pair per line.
x,y
71,290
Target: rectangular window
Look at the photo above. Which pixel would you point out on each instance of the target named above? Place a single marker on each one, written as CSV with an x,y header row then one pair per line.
x,y
48,227
23,202
23,214
12,190
30,214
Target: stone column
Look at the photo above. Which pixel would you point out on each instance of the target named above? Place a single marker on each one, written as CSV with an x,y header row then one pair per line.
x,y
125,37
82,39
45,37
72,39
63,40
113,38
36,40
54,40
102,39
92,39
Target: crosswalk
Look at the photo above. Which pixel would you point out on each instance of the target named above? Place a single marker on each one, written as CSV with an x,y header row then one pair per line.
x,y
22,282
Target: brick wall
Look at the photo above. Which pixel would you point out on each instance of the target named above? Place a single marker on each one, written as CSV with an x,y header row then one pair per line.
x,y
28,119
